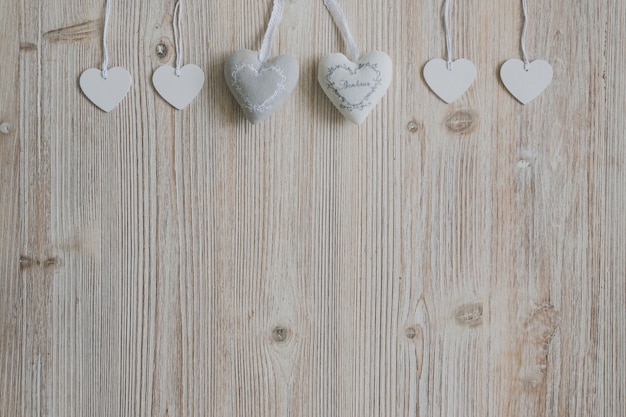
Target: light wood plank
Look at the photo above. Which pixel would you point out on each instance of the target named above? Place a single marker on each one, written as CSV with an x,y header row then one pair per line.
x,y
463,259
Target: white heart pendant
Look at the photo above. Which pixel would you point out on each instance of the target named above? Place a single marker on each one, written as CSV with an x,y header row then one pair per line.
x,y
449,84
355,88
178,90
105,93
526,84
260,88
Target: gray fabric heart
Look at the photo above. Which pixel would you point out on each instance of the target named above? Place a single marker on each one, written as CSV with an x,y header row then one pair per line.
x,y
260,88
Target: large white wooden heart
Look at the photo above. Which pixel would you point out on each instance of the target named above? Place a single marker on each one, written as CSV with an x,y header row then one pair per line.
x,y
105,93
260,88
355,87
178,90
449,84
526,84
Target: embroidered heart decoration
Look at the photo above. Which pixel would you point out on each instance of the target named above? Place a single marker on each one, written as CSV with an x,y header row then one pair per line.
x,y
449,84
355,88
260,88
526,84
178,90
105,93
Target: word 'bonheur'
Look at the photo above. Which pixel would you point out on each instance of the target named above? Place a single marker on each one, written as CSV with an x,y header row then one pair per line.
x,y
343,84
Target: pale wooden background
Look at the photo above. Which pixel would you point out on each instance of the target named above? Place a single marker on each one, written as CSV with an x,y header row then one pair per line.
x,y
439,260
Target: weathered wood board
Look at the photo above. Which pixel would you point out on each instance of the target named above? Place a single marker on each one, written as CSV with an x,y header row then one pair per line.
x,y
439,260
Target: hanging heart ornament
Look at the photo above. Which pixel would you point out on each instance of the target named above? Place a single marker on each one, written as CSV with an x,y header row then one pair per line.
x,y
260,88
106,93
178,90
355,88
526,84
449,83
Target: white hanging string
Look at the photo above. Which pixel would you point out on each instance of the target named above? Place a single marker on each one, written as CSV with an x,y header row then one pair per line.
x,y
523,41
177,38
266,45
446,10
105,53
342,23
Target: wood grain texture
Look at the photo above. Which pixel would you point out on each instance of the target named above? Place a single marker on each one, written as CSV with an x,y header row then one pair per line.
x,y
439,260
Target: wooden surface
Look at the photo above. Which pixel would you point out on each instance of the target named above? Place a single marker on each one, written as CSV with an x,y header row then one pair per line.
x,y
439,260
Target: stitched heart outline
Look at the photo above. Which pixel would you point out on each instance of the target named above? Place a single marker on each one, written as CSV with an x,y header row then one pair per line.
x,y
267,103
345,103
362,86
260,87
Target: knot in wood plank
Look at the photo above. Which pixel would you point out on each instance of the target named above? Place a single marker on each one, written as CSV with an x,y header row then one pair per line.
x,y
462,121
280,334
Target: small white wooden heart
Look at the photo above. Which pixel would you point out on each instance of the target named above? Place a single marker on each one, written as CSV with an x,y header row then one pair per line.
x,y
178,90
526,84
355,88
260,88
105,93
449,84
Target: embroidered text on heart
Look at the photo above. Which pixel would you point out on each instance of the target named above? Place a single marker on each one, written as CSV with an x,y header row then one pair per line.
x,y
353,92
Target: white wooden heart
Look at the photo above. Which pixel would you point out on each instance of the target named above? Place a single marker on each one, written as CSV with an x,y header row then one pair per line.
x,y
178,90
105,93
449,84
260,88
355,87
526,84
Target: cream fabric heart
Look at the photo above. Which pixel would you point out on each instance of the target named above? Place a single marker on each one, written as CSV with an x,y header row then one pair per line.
x,y
355,87
526,85
449,84
105,93
178,90
260,88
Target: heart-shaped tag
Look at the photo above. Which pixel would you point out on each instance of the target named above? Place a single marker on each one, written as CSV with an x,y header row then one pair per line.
x,y
526,84
178,90
355,88
449,84
260,88
106,93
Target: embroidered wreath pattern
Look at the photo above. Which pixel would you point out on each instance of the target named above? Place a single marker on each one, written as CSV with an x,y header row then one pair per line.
x,y
332,86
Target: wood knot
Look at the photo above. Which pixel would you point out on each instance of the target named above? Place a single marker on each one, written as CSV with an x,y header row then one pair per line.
x,y
461,121
5,128
414,334
280,334
410,333
537,332
469,315
50,262
413,126
163,50
28,46
27,262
